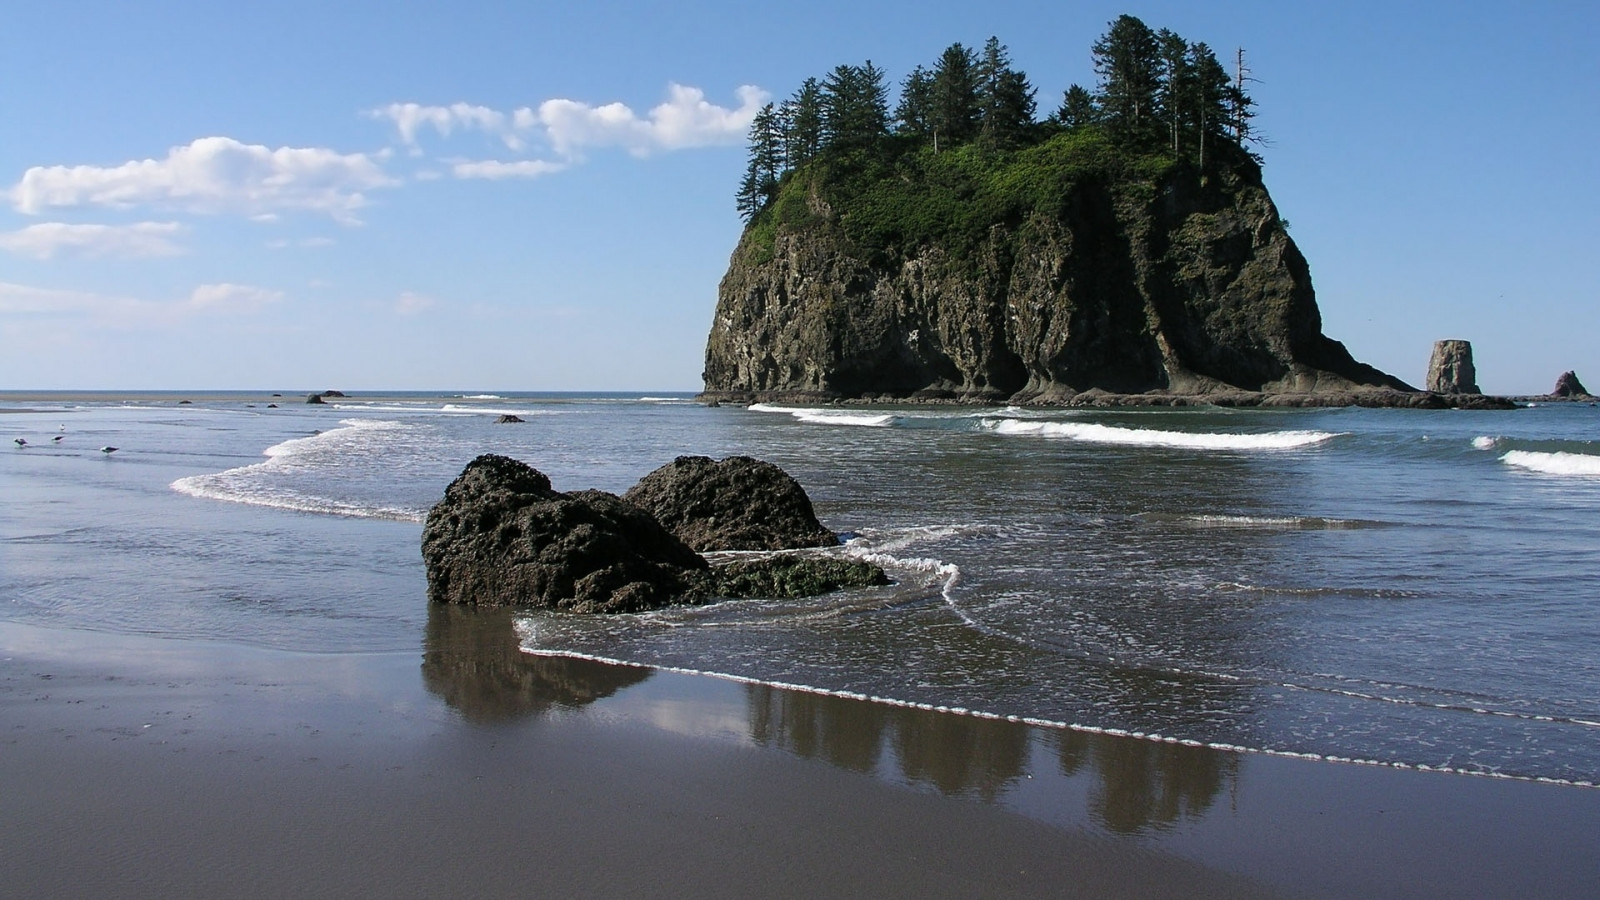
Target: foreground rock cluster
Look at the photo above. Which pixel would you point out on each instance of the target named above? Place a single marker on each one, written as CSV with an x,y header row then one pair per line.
x,y
502,536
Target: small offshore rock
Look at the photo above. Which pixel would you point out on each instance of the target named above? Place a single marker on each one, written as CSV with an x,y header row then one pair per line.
x,y
334,394
1568,385
738,503
314,399
507,419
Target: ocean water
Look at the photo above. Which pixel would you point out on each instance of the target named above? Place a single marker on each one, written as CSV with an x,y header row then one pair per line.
x,y
1402,587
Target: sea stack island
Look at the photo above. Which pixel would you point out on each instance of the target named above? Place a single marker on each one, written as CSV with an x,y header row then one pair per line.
x,y
1123,250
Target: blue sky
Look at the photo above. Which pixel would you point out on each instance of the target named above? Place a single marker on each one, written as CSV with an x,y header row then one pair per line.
x,y
530,196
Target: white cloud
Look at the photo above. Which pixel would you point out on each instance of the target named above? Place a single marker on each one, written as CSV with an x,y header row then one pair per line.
x,y
136,241
494,169
310,242
232,298
409,118
25,299
687,119
212,175
411,304
111,310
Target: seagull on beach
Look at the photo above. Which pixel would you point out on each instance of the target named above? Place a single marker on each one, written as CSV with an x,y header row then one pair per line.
x,y
108,450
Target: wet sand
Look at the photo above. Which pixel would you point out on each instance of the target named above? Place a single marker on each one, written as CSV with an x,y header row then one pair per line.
x,y
140,767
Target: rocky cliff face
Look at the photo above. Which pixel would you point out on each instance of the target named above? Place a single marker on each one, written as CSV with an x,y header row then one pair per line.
x,y
1177,286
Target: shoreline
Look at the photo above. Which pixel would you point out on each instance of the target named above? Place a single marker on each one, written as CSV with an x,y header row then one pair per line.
x,y
1097,399
143,766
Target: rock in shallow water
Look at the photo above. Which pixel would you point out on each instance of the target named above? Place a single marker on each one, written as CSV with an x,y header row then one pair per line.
x,y
738,503
1451,371
502,536
1568,385
787,576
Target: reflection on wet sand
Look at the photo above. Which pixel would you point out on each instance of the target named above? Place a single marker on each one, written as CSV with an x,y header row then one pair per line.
x,y
1140,785
1146,784
471,660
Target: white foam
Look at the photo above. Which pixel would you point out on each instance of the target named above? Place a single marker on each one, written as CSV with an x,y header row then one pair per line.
x,y
1484,442
1307,523
493,410
262,483
829,416
1581,464
1093,433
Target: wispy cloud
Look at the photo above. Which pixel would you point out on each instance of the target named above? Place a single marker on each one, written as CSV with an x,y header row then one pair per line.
x,y
212,175
570,128
411,304
111,310
494,169
409,118
310,242
137,241
231,298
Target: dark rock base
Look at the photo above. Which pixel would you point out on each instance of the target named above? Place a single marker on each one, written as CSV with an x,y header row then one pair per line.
x,y
1382,399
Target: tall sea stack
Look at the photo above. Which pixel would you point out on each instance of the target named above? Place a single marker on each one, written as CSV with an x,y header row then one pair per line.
x,y
962,249
1099,279
1450,371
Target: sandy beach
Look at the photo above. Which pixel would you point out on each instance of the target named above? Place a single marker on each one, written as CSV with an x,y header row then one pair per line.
x,y
142,767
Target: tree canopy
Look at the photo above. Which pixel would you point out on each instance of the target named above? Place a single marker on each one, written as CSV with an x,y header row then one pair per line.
x,y
1156,94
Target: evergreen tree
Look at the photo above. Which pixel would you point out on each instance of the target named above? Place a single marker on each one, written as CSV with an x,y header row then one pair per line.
x,y
802,123
855,106
760,184
916,99
1077,108
1006,104
749,199
1175,94
874,111
1127,59
954,111
1211,96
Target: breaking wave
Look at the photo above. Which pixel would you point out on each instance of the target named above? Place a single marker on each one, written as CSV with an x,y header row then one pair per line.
x,y
830,416
268,483
1581,464
1093,433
